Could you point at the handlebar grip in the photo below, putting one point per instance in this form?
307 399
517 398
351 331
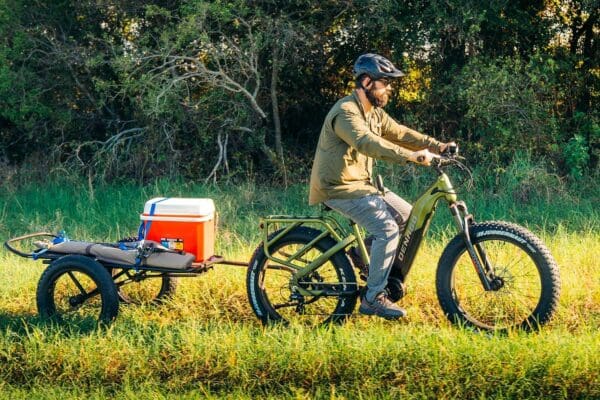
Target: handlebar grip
451 150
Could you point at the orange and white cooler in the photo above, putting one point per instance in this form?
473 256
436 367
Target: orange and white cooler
184 224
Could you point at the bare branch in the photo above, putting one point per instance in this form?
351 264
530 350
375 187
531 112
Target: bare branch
221 63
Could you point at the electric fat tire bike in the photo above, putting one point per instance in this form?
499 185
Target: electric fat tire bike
492 276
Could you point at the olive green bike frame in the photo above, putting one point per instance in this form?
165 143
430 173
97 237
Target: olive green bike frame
416 228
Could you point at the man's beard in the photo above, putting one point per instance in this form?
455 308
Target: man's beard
377 101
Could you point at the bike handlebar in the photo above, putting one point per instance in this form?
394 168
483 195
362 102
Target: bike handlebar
443 161
449 153
448 157
451 158
451 149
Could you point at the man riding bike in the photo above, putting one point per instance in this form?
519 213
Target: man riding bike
355 131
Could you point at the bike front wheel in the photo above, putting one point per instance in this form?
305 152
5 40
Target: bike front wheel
275 299
522 272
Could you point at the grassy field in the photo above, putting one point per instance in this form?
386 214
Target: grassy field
206 343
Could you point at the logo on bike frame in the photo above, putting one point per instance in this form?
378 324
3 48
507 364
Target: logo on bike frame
406 239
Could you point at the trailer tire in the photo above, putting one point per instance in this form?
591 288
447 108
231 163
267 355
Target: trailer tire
155 295
79 289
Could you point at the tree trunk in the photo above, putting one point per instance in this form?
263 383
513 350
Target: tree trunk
275 103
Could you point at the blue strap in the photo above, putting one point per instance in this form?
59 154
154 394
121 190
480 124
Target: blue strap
35 256
145 227
141 234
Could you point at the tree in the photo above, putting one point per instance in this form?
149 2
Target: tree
237 52
219 88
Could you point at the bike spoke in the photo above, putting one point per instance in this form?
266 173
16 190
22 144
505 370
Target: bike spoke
534 276
517 262
524 296
74 279
509 304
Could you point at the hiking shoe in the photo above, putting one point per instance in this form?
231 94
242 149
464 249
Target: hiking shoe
382 307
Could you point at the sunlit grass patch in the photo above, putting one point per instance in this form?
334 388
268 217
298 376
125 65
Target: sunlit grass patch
206 342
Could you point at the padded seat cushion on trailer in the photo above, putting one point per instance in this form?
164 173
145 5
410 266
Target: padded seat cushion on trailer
117 256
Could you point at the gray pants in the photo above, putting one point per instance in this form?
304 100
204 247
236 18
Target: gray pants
384 217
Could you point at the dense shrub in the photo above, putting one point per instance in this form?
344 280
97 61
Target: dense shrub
510 105
220 90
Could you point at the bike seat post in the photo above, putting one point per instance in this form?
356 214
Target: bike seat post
325 208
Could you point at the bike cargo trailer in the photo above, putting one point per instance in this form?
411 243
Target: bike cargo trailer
176 239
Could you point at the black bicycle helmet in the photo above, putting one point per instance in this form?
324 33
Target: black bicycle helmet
376 67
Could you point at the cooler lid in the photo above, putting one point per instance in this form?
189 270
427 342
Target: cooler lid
178 206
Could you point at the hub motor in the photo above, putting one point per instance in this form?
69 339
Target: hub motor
396 289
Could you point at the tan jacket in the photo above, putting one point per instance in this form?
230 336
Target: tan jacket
349 140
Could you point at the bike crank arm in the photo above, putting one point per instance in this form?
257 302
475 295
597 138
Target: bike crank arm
463 219
327 290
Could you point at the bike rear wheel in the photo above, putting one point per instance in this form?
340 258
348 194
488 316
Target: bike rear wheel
272 296
524 276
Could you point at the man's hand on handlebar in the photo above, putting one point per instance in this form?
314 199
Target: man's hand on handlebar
449 149
422 157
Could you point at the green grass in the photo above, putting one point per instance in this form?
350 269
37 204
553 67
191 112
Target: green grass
206 342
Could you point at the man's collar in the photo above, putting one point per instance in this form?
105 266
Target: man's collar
360 105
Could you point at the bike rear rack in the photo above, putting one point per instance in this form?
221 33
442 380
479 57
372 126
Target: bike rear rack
328 225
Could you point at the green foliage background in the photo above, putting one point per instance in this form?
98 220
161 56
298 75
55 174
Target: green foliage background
111 89
98 96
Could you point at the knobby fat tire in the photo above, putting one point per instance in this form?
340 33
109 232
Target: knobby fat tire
518 236
301 235
107 290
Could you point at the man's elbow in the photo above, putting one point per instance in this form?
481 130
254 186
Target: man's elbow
364 146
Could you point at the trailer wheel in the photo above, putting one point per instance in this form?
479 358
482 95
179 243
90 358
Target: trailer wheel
77 289
143 287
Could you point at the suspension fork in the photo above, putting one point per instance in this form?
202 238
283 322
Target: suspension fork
463 220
